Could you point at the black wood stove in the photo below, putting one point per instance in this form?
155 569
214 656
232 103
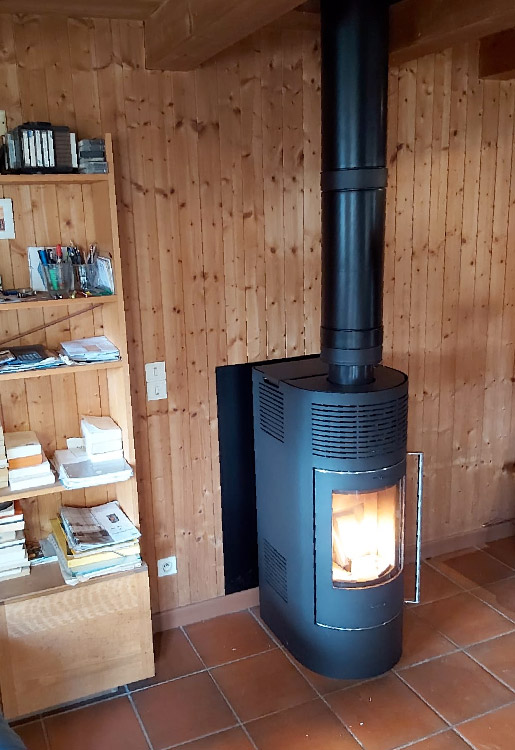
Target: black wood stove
330 432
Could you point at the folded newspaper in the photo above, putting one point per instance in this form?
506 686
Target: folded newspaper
76 470
89 528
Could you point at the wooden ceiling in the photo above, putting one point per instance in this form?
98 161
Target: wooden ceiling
137 9
182 34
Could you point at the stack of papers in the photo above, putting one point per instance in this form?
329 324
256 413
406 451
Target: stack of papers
13 555
95 349
102 438
28 466
23 358
91 542
76 470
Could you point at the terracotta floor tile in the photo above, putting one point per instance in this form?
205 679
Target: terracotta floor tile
433 585
232 739
384 713
503 550
421 641
464 619
108 725
32 735
498 656
456 687
228 638
182 710
500 595
174 658
471 568
324 685
445 741
311 726
495 731
262 684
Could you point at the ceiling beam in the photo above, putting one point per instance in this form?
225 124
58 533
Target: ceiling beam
182 34
420 27
497 56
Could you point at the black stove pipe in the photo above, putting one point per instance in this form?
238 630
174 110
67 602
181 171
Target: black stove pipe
354 100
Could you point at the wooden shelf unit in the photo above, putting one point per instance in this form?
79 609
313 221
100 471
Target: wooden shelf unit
49 209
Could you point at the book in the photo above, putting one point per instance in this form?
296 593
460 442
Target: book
31 483
13 517
26 461
40 470
73 578
40 553
95 349
15 573
13 538
6 509
22 444
100 430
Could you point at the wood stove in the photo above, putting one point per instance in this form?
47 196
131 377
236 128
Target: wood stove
330 432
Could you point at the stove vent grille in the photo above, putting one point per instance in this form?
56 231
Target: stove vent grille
271 411
359 431
275 570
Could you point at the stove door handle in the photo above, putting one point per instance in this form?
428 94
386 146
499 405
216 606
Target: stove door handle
418 531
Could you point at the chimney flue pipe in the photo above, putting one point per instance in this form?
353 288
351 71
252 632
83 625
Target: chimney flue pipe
354 100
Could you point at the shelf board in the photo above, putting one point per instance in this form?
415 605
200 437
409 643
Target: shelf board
52 179
47 579
62 370
7 494
43 303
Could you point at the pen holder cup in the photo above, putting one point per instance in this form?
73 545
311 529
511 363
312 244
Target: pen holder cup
86 277
58 279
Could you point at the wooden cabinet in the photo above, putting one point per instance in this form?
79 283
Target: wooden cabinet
60 643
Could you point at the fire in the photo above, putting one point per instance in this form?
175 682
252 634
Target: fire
364 535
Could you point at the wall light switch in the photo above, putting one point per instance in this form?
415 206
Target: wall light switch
155 371
3 122
156 390
167 566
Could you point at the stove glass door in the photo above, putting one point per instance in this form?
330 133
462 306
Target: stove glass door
367 535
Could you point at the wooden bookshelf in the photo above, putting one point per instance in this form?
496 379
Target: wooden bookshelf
53 179
111 613
50 489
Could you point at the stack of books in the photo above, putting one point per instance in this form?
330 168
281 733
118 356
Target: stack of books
92 542
4 478
102 438
13 555
24 358
28 466
95 349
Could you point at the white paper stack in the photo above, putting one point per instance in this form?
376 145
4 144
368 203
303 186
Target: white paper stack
76 470
24 445
4 480
102 439
95 349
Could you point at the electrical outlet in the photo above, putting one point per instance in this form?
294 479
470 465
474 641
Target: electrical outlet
167 566
155 371
156 390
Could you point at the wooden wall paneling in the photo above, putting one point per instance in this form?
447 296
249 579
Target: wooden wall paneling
201 509
481 293
391 198
311 192
293 221
84 80
140 280
505 423
493 441
59 84
421 206
435 271
253 199
404 214
31 57
9 88
450 312
272 83
212 218
175 343
164 521
228 86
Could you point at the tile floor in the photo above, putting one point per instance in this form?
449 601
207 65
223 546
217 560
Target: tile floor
225 684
